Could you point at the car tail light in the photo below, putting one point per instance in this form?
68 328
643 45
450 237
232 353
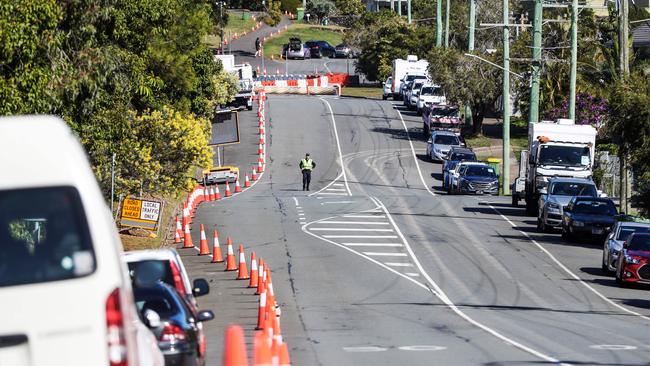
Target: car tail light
115 333
178 279
172 333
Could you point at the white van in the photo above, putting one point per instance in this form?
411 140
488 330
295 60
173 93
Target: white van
65 293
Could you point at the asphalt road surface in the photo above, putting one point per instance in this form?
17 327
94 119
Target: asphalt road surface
377 266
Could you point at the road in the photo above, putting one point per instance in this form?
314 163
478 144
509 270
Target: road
378 266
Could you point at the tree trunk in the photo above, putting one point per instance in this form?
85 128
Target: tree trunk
477 119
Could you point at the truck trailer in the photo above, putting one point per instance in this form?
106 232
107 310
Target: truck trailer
244 73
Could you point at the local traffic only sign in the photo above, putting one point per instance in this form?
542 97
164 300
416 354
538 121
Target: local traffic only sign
140 213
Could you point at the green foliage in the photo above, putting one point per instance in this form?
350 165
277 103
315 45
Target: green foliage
290 5
305 32
350 7
321 8
273 13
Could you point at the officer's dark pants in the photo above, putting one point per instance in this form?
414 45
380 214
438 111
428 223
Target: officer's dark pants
306 178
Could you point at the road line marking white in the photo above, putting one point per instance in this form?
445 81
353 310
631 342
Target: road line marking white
356 222
374 244
361 236
444 298
348 229
332 194
412 274
422 348
566 269
365 216
295 200
301 214
613 347
336 189
398 264
408 135
338 145
385 254
338 184
330 202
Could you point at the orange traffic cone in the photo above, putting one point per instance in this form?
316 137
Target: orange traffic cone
275 351
262 139
234 348
237 186
261 130
216 248
230 256
260 277
260 168
261 350
254 272
217 195
260 149
247 183
284 355
177 238
228 193
243 271
203 243
187 239
211 194
179 229
254 176
261 313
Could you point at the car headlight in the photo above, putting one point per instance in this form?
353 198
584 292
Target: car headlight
494 183
631 260
553 207
578 223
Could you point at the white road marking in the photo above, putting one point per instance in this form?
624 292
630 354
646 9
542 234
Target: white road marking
360 236
417 165
331 202
385 254
301 214
412 274
422 348
374 244
348 229
398 264
338 146
613 347
338 184
336 189
295 200
356 222
365 216
332 193
364 349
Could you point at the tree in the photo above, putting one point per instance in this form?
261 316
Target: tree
350 7
273 13
321 8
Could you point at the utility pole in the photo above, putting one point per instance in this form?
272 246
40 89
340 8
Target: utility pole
533 112
506 99
112 182
624 70
470 48
574 59
399 7
446 23
438 23
408 10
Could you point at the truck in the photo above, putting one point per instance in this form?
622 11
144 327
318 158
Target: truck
403 67
440 117
555 149
244 73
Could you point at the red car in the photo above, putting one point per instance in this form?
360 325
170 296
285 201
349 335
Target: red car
634 260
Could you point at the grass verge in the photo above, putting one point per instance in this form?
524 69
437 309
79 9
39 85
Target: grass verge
236 24
478 141
306 32
132 242
361 91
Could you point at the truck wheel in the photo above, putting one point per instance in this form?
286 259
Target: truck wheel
249 107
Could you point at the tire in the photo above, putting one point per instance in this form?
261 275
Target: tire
515 200
384 97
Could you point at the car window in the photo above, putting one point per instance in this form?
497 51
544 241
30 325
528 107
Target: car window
626 231
479 170
161 265
446 140
463 156
44 236
573 189
639 242
594 208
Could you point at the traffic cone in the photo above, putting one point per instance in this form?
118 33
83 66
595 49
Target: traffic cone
260 149
275 352
230 256
243 271
187 239
261 313
177 238
235 348
203 243
216 248
228 194
217 195
254 175
261 139
247 183
260 277
211 194
264 71
261 129
254 272
261 350
260 168
284 355
237 186
179 228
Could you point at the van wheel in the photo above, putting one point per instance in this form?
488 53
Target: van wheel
384 97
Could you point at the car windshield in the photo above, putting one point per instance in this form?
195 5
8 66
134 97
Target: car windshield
162 267
626 231
463 156
595 208
446 140
573 156
432 90
639 242
417 86
573 189
44 236
480 170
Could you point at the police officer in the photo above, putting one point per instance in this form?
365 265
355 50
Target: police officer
306 165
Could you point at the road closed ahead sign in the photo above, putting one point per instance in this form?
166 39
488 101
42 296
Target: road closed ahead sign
140 213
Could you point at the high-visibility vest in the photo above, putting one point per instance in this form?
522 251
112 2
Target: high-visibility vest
307 164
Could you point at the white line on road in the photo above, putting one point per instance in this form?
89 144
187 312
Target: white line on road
385 254
348 229
332 193
374 244
412 274
331 202
295 200
361 236
356 222
336 189
338 146
366 216
408 135
338 184
398 264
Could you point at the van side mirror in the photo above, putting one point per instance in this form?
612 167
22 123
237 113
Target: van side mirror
200 287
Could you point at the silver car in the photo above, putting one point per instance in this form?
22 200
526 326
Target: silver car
614 241
295 49
557 195
439 144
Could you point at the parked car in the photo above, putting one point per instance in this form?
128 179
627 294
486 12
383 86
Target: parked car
413 95
342 51
614 241
176 325
456 154
387 88
66 295
318 49
633 265
431 94
556 197
588 216
476 178
295 49
408 78
440 143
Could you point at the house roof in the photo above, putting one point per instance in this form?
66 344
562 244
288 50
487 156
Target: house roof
641 35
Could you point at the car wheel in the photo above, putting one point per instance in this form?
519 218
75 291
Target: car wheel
603 264
515 200
384 97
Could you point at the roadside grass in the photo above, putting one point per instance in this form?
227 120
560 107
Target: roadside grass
362 91
478 141
306 32
236 24
133 242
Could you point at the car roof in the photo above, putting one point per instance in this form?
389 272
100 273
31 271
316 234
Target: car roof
150 254
443 132
633 224
461 150
472 163
570 180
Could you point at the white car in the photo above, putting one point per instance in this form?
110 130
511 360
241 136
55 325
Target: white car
387 88
413 95
431 94
66 294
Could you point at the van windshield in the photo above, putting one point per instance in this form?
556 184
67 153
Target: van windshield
44 236
573 156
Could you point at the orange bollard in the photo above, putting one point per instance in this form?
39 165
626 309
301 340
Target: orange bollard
216 248
284 355
230 256
261 350
260 168
235 348
211 194
237 186
217 195
203 243
254 272
254 176
243 271
260 149
177 238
